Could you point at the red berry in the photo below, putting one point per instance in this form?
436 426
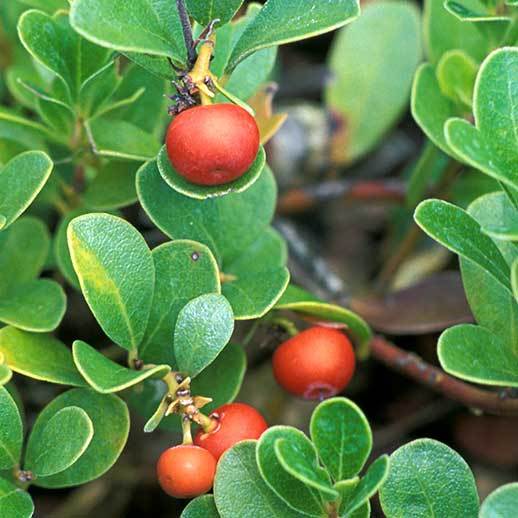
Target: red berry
212 145
315 364
235 422
186 471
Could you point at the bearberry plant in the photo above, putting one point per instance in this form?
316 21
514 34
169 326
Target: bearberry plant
134 177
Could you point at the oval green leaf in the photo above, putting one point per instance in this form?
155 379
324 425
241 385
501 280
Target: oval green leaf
501 503
11 431
144 26
284 21
106 376
14 502
205 11
58 443
455 229
365 56
368 485
37 306
342 437
476 354
39 356
298 457
304 499
201 507
204 327
116 272
110 419
21 179
25 246
174 263
238 487
428 478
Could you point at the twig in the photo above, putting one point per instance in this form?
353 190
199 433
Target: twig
187 31
299 200
414 367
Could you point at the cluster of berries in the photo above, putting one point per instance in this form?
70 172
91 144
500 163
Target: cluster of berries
314 364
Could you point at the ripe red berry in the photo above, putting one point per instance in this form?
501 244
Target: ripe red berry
212 145
186 471
315 364
235 422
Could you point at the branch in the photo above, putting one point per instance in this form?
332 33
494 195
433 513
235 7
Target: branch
301 199
187 31
414 367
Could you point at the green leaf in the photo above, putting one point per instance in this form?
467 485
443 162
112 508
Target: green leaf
121 140
97 90
110 419
14 502
504 224
201 192
491 144
297 494
106 376
284 21
62 51
369 484
204 327
474 11
456 73
24 249
21 179
457 230
113 187
298 457
181 217
443 31
428 479
37 306
39 356
476 354
491 211
296 299
250 74
373 62
430 107
493 307
239 488
61 251
502 502
57 443
152 101
202 507
257 278
346 488
205 11
342 436
144 26
116 272
174 262
11 431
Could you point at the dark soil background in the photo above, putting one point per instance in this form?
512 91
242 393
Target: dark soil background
338 248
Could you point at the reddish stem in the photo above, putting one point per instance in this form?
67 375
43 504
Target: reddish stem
414 367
